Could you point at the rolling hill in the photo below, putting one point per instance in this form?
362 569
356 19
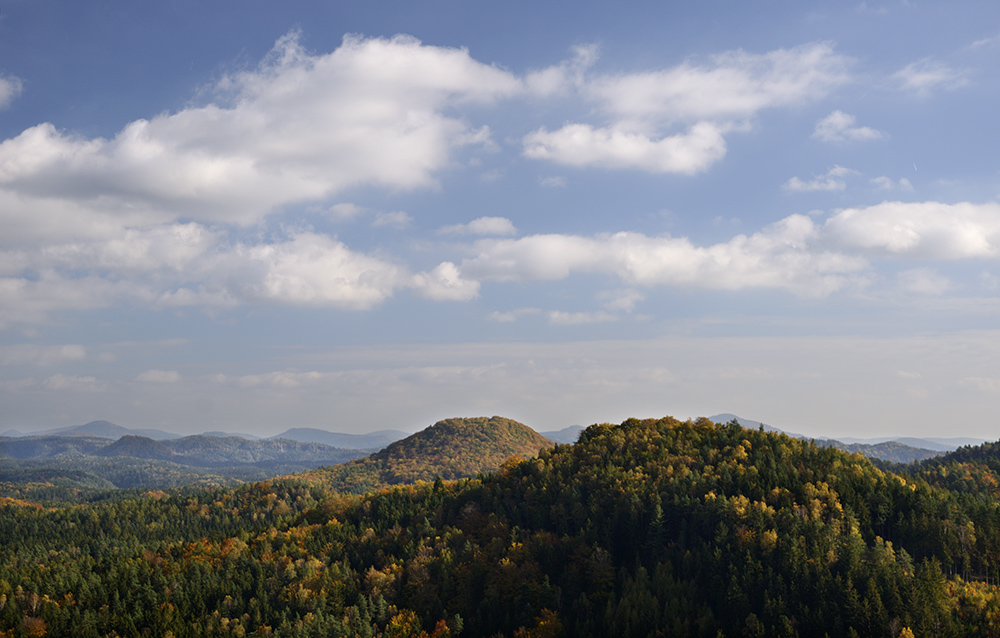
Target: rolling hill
139 461
648 528
449 449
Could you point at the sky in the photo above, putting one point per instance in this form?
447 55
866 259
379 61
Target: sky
250 216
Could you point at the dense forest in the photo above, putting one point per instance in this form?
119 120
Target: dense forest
647 528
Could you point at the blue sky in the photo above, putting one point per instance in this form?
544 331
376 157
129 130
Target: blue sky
250 216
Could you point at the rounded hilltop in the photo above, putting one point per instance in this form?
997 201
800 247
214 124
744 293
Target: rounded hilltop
449 449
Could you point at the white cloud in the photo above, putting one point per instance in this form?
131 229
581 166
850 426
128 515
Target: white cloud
783 255
512 315
733 85
482 226
839 127
582 145
445 283
396 219
887 184
73 383
923 76
307 269
706 99
986 42
832 181
188 264
299 127
553 181
922 230
285 380
159 376
624 300
563 77
560 318
10 88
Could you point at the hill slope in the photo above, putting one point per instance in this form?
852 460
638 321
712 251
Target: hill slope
449 449
644 529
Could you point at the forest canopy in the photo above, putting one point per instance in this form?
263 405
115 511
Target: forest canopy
646 528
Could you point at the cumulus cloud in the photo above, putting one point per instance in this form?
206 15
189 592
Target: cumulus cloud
582 145
10 88
445 283
922 230
482 226
306 269
705 99
924 76
298 127
564 77
186 264
783 255
833 180
794 254
839 127
732 85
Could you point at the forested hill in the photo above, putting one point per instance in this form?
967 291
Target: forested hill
449 449
648 528
969 470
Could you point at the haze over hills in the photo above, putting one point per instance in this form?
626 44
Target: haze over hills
453 448
103 429
567 435
449 449
88 438
106 429
902 449
138 461
371 441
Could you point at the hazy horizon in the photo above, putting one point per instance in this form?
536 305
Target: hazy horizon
354 218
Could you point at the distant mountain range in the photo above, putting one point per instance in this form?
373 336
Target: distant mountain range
904 449
107 430
103 429
566 435
81 439
371 441
198 451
